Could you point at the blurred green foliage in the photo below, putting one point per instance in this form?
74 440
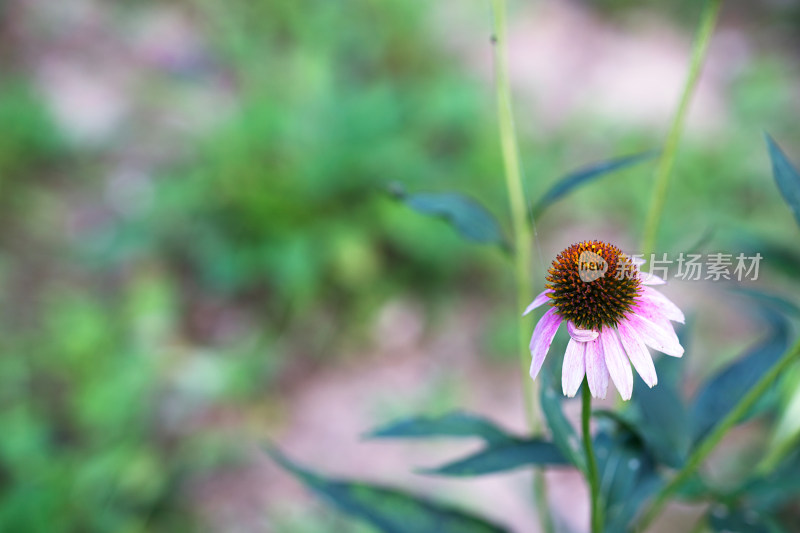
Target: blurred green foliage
280 211
271 240
285 204
29 145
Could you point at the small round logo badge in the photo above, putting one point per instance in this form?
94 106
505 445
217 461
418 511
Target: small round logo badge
591 266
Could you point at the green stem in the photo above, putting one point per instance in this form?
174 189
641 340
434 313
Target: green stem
522 238
591 462
777 454
710 442
516 197
540 496
705 30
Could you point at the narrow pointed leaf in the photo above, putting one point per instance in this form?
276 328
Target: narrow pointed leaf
586 174
764 298
725 519
776 489
717 397
661 416
779 256
456 424
390 510
786 177
471 219
619 418
694 488
622 514
627 474
504 456
564 436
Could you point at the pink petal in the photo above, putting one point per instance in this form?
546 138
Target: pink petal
638 353
574 367
619 367
638 261
668 309
646 309
542 339
581 335
655 336
539 300
651 279
596 371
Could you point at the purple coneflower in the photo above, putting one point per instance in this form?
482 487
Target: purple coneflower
612 316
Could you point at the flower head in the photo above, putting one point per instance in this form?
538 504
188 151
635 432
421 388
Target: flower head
612 316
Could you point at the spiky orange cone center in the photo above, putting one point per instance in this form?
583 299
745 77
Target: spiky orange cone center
594 284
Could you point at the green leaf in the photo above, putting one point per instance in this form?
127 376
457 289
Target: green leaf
695 488
473 221
777 255
456 424
620 418
726 519
388 509
786 177
628 476
717 397
502 457
778 488
661 416
503 451
564 436
586 174
779 303
627 470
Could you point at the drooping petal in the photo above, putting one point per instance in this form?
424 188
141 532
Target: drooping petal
638 261
647 309
619 367
665 305
596 370
573 368
651 279
539 300
542 339
655 336
581 335
638 353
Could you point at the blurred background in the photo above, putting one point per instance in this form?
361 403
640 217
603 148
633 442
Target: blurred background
199 252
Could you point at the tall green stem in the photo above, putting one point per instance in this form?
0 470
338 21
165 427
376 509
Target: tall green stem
516 198
705 30
591 462
710 442
522 236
